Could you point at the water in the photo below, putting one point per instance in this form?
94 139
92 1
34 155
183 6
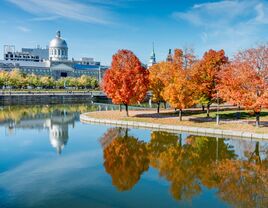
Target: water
49 159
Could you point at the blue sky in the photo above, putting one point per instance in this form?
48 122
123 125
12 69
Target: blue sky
98 28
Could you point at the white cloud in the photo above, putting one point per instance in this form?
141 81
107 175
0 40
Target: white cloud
262 13
23 29
218 13
48 18
69 9
228 24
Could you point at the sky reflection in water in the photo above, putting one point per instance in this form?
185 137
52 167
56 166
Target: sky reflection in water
49 159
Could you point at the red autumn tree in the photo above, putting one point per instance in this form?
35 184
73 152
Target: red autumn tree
204 76
244 81
126 82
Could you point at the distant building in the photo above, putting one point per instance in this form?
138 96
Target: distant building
42 53
52 61
152 59
169 56
26 54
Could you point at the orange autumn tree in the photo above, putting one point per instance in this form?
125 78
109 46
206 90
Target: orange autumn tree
126 82
158 76
244 81
204 76
178 92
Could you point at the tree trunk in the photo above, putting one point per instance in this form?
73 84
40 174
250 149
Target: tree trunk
126 133
238 114
165 105
158 107
257 149
180 114
120 107
257 153
180 140
208 110
203 108
126 109
257 119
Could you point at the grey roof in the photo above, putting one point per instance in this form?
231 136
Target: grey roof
58 42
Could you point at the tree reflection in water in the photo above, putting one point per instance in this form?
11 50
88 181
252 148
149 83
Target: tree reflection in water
189 165
243 183
125 159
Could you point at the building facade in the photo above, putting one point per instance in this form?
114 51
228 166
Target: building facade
52 61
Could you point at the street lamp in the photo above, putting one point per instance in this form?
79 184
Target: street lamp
218 116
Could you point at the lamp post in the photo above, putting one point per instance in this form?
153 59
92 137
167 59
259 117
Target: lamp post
99 74
65 86
218 116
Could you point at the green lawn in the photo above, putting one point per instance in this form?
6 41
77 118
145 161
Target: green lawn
234 114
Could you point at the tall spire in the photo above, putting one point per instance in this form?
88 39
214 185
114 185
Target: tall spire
152 59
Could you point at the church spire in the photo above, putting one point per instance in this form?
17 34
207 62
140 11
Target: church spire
152 60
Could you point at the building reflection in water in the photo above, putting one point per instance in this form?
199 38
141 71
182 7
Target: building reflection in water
57 123
58 130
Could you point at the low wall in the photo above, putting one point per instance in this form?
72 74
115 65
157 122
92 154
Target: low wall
178 129
50 98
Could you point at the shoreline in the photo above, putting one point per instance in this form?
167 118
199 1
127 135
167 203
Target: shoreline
173 128
44 97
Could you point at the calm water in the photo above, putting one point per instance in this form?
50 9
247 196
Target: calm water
49 159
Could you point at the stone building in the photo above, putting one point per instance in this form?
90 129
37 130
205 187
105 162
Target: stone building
52 61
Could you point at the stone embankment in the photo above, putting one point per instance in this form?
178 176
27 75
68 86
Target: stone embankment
20 98
213 132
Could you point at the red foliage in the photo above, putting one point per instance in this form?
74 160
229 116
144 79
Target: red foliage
244 81
126 82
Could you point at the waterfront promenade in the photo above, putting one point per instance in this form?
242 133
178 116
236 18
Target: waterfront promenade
170 122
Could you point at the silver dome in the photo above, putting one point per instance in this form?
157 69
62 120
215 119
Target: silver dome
58 42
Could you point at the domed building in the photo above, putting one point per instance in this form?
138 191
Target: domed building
58 49
51 61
